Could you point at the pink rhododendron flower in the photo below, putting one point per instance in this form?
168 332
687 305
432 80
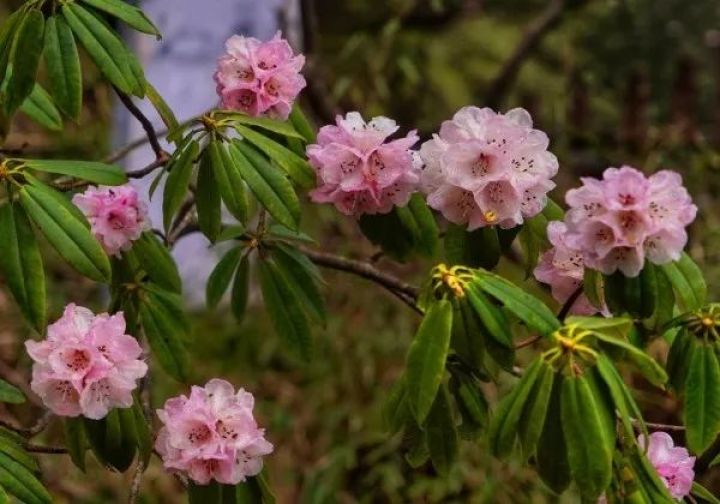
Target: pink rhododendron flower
212 435
486 168
259 78
673 463
562 268
626 217
117 216
359 170
87 365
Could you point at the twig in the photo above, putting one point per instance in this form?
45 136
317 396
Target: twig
404 291
136 482
528 342
534 34
658 426
41 424
570 303
144 122
55 450
19 430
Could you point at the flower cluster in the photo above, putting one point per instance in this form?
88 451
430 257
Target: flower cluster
87 365
626 217
673 463
485 168
562 268
117 215
259 78
359 170
212 435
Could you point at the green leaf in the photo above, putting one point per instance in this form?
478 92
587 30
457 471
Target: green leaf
303 277
156 260
17 480
161 107
391 232
285 310
552 461
702 402
441 434
92 171
648 366
533 239
688 281
593 287
395 411
301 123
271 188
63 66
40 108
679 358
25 57
480 248
221 276
471 403
492 318
10 393
143 433
624 402
703 493
506 419
22 265
534 412
528 308
283 128
229 180
618 327
75 441
112 438
296 167
8 33
131 15
204 494
426 358
60 223
241 286
207 199
178 181
424 226
165 328
104 47
17 452
588 448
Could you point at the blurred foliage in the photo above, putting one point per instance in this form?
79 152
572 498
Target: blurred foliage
607 69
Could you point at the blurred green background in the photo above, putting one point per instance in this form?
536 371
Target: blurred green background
611 81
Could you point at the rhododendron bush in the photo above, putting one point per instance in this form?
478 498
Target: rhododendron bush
474 193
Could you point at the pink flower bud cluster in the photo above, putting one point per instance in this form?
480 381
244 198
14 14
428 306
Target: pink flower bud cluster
359 170
212 435
486 168
87 365
259 78
117 216
626 217
561 267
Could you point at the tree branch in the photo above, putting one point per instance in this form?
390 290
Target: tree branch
54 450
136 482
570 303
534 34
144 122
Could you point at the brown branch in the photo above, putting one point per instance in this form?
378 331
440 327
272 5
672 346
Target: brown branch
404 291
55 450
144 122
136 482
528 342
570 303
534 35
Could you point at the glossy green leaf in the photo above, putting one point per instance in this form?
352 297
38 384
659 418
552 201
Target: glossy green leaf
700 492
283 128
593 287
8 32
75 441
25 57
271 188
240 289
480 248
17 480
130 14
441 434
702 402
648 366
526 307
296 167
426 358
18 453
471 404
104 47
229 180
506 419
221 276
143 433
304 277
285 310
618 327
396 412
535 409
10 393
588 449
688 281
157 261
161 107
63 66
112 438
621 396
679 359
177 183
301 123
491 316
165 328
21 264
40 108
391 232
61 225
552 459
92 171
424 227
207 199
